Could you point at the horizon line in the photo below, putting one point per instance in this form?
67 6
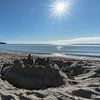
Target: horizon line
80 40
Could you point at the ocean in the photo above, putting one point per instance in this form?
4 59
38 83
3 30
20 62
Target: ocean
89 50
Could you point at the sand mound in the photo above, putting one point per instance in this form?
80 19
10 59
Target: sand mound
28 78
28 75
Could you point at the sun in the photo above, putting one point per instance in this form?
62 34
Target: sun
60 7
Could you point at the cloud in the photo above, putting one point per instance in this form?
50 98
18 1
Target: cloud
81 40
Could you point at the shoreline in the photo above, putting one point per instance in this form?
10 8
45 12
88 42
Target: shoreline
54 55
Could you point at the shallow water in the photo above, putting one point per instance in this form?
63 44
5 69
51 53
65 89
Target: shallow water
91 50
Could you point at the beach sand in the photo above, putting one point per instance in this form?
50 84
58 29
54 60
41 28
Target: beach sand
80 75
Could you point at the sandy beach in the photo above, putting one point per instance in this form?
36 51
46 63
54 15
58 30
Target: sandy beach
49 49
38 77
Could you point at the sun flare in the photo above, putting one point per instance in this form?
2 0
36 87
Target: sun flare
60 8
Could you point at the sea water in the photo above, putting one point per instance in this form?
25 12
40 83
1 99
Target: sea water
90 50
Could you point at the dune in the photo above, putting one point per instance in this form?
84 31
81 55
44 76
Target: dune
34 77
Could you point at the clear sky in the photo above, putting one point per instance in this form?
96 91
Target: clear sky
30 21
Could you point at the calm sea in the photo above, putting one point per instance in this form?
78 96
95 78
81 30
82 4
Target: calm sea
91 50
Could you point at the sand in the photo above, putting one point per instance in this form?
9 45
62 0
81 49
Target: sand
83 79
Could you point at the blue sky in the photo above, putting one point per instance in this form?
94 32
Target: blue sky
30 21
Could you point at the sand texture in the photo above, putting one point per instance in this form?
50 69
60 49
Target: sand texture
26 77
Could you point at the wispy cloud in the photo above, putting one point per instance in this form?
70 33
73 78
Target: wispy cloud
81 40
